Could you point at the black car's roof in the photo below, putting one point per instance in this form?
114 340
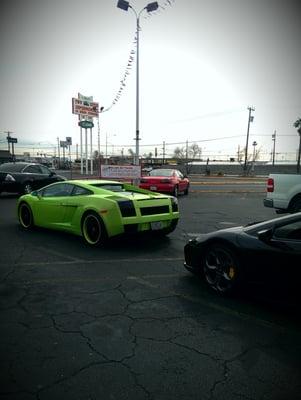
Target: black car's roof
15 167
273 222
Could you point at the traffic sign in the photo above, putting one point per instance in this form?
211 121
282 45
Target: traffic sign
12 139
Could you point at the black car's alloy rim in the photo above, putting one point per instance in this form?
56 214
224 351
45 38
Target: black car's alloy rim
27 188
220 269
91 229
25 216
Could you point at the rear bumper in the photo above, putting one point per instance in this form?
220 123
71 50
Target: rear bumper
268 203
166 188
10 187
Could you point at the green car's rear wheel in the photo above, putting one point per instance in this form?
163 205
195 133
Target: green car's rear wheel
93 229
25 216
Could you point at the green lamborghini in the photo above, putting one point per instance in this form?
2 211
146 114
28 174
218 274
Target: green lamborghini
98 209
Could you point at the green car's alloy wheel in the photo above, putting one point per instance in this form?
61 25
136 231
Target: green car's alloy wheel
25 216
93 229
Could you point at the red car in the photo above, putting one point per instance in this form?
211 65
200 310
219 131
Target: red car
166 181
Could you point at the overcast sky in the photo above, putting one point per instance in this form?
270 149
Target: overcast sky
202 63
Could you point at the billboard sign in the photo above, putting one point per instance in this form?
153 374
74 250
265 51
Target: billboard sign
86 124
84 106
120 171
69 140
63 143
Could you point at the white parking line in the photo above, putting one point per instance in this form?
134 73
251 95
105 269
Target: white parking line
99 261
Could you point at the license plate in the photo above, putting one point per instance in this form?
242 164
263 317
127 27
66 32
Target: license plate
156 225
153 188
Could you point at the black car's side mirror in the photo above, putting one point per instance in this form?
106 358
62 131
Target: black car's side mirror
51 173
265 235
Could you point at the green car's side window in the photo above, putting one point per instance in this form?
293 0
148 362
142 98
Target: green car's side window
58 190
80 191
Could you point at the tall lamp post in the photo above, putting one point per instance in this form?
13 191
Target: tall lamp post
297 125
125 5
274 147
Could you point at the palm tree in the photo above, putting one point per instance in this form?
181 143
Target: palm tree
297 125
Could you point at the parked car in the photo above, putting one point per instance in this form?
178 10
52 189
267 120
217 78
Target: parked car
23 177
284 193
267 253
165 181
98 209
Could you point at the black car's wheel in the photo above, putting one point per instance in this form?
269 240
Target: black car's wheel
296 205
175 191
221 269
25 216
27 188
186 190
93 229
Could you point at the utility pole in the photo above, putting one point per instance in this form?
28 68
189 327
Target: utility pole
274 147
163 160
186 151
250 119
58 151
8 139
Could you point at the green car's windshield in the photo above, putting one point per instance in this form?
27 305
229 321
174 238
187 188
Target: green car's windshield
118 187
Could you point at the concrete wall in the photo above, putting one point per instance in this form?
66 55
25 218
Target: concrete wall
235 169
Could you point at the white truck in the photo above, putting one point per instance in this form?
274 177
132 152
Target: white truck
283 193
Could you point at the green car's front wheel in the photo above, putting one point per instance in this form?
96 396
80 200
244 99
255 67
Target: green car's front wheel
93 229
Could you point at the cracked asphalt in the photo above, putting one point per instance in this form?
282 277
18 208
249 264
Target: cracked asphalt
128 322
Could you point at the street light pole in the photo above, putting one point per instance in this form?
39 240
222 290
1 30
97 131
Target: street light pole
137 92
274 147
297 125
125 5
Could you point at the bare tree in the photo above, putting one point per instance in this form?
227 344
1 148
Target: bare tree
185 155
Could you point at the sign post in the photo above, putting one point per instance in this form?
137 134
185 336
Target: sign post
86 109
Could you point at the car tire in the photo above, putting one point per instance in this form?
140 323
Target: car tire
25 216
27 188
221 269
296 205
175 191
186 191
93 229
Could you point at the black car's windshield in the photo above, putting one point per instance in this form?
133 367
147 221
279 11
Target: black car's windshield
161 172
11 167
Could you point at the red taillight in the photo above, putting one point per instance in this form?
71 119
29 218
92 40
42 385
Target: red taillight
143 181
270 185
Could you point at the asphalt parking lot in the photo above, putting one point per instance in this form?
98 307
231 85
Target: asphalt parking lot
129 322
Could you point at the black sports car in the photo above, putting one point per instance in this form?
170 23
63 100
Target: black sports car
267 252
24 177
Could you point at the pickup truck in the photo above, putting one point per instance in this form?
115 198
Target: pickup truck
283 193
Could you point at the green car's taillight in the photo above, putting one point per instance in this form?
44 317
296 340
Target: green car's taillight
174 204
127 208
